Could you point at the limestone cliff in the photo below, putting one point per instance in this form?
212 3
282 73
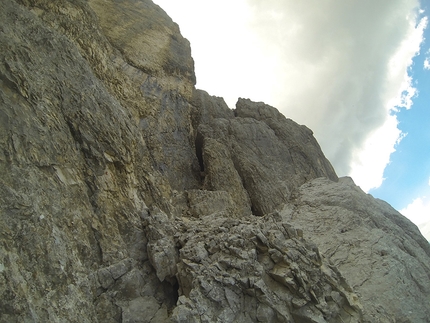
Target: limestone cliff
127 195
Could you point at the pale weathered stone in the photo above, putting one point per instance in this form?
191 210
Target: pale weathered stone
248 269
379 252
203 202
254 154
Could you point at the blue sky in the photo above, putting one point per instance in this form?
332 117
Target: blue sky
407 176
408 173
346 69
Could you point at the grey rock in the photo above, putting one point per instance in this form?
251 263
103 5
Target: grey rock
140 310
204 202
127 195
73 162
259 151
254 269
381 254
162 252
220 173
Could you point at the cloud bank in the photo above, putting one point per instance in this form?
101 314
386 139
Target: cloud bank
338 67
341 67
419 213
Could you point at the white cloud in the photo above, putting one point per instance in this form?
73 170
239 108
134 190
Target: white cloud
337 66
427 64
228 59
419 212
425 230
370 161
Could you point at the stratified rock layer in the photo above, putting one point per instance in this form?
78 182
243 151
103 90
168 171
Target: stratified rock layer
126 195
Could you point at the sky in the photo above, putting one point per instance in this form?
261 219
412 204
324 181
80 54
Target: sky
355 72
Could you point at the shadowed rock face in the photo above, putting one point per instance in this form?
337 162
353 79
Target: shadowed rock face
272 155
126 195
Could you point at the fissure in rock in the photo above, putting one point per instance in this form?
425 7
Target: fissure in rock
199 151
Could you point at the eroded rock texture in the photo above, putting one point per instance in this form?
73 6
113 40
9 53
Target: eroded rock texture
127 195
379 251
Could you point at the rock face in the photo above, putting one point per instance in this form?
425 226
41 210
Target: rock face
383 258
127 195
